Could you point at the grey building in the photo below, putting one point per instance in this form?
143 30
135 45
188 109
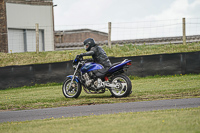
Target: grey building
17 25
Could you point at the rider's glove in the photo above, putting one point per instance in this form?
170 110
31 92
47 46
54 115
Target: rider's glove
81 55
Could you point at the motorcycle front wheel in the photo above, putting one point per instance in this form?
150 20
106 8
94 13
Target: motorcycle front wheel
74 91
123 86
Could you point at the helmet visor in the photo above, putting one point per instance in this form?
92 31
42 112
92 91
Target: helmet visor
86 46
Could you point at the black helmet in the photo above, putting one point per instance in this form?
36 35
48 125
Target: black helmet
90 42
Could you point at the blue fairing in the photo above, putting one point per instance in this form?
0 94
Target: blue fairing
87 67
118 66
75 78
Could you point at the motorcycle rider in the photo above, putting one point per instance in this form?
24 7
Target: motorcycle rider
98 54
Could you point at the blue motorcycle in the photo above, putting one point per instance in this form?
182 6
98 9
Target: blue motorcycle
95 79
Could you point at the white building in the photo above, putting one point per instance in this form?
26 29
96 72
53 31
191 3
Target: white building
22 16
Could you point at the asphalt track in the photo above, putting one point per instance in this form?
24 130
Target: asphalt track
24 115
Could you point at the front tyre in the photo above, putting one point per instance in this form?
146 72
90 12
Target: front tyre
74 91
123 86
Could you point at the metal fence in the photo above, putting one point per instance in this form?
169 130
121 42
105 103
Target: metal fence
145 32
146 41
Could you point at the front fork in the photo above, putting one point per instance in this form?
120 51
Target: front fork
73 77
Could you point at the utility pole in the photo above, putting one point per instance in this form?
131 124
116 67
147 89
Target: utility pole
109 34
37 37
184 32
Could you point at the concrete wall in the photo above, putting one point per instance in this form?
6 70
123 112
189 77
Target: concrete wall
26 15
161 64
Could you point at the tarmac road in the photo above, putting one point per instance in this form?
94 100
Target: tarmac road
73 111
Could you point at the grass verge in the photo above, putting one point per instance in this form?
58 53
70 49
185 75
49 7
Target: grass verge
174 120
7 59
149 88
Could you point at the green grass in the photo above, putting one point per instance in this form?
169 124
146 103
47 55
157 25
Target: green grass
174 120
148 88
7 59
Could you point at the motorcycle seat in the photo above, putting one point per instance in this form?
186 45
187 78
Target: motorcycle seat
114 64
101 72
104 70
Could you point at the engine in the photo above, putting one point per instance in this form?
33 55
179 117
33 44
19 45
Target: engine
87 79
92 82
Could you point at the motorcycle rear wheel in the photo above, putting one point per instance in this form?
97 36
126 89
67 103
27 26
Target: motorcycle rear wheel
72 92
123 84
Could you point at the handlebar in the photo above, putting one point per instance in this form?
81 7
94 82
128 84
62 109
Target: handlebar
80 59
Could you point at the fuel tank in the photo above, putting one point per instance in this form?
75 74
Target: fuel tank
87 67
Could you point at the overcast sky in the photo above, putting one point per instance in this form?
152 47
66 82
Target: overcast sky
78 12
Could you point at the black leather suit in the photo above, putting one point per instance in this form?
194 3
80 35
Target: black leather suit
99 56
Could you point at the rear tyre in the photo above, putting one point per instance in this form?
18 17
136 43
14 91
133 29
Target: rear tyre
72 92
123 86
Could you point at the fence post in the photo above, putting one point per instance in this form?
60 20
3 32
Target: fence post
184 32
109 34
37 37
